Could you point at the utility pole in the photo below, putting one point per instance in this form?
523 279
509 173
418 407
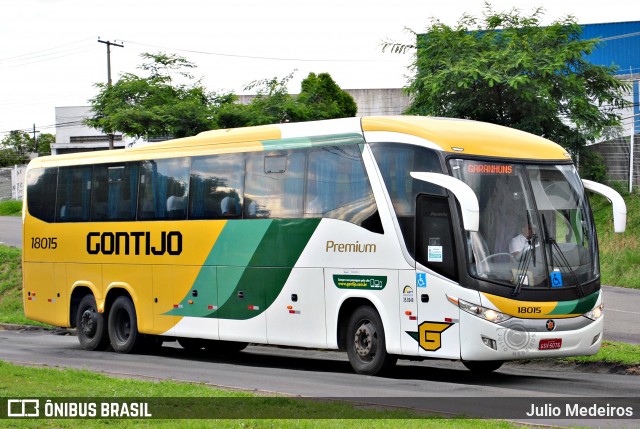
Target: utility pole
109 45
35 140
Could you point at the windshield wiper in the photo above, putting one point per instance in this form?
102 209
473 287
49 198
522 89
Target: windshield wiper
563 260
527 255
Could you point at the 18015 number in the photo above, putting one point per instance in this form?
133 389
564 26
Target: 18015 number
44 242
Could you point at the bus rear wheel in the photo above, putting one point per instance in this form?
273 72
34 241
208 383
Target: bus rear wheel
366 346
90 325
123 326
483 366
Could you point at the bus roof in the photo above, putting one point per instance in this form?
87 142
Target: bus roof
451 135
470 137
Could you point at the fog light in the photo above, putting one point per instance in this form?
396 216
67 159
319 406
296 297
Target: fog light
489 343
595 339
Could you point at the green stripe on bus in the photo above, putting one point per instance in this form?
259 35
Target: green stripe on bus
233 250
252 260
303 142
576 306
269 268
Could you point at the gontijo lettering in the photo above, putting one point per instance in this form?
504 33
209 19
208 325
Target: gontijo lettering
356 247
136 243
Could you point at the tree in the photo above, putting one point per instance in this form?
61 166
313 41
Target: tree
15 148
324 99
43 143
320 98
507 69
154 106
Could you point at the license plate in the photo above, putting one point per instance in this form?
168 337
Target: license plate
550 344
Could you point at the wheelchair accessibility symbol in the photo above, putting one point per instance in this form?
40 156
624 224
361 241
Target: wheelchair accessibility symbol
421 279
556 279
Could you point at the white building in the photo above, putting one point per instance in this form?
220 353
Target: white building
73 136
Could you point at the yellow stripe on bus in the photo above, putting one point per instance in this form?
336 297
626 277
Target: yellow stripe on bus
526 309
470 137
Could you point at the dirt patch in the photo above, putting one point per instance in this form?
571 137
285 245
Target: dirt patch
594 367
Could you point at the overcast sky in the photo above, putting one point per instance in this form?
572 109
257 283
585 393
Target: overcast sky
50 56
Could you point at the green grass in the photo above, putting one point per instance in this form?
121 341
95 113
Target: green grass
11 309
619 253
615 353
10 208
29 382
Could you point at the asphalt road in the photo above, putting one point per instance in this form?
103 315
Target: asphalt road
311 373
11 231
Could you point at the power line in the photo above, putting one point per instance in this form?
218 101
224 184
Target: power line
42 50
220 54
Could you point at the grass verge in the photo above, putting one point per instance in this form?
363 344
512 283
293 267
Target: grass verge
619 253
29 382
10 208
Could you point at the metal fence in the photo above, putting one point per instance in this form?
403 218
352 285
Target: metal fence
616 154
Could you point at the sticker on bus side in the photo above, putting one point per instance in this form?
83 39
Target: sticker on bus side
343 281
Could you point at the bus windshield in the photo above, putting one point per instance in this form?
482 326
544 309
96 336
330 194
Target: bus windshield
535 225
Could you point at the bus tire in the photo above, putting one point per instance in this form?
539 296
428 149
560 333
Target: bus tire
91 325
482 366
123 326
366 346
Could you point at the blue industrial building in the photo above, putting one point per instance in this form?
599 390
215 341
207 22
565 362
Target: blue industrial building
620 46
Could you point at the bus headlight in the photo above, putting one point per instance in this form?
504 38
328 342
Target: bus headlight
596 313
482 312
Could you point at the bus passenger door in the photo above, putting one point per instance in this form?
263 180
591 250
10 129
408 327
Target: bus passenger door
438 319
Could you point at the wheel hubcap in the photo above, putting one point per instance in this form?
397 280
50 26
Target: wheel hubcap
88 323
124 326
365 340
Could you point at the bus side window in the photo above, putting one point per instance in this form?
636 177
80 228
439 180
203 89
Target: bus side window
338 187
114 192
41 193
160 180
275 184
216 186
74 194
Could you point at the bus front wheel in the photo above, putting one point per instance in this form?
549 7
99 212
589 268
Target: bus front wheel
123 326
366 346
90 325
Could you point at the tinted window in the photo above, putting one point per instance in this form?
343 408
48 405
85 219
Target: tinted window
74 194
435 245
216 187
164 186
338 186
115 192
274 186
41 193
396 162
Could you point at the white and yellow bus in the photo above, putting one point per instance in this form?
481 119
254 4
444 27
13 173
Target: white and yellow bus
387 237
